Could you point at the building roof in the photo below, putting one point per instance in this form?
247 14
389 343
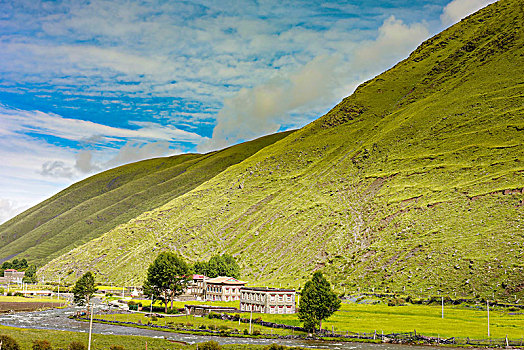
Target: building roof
199 277
10 270
268 289
225 280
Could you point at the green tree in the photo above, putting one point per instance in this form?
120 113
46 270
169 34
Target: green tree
218 265
317 302
84 289
30 274
166 278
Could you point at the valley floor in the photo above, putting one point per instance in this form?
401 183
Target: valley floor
460 321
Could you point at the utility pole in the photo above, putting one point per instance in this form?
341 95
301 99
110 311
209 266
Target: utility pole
487 305
250 319
90 328
151 309
442 307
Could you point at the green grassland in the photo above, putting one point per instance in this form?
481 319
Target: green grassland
459 321
61 339
95 205
192 322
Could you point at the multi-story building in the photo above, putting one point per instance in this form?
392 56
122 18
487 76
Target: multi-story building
223 288
197 286
12 276
268 300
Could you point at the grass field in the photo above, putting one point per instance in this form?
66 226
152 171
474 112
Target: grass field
60 339
13 299
192 322
459 321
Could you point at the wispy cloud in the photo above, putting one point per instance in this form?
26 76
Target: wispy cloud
36 122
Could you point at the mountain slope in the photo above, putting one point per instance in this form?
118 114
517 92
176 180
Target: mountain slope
96 205
415 181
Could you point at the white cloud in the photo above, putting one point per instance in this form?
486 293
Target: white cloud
262 109
395 41
315 87
19 121
458 9
9 209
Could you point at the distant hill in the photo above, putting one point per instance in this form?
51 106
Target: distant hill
101 202
414 182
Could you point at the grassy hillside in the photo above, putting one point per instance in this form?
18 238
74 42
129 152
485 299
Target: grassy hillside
415 181
96 205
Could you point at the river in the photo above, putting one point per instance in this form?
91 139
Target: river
57 319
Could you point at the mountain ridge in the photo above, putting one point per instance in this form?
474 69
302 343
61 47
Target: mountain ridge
92 206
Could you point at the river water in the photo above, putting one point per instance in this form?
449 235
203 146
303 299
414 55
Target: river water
57 319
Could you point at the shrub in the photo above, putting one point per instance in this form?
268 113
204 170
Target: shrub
18 294
2 290
256 332
154 318
9 343
41 345
246 332
209 345
275 347
116 347
202 326
189 325
76 345
9 294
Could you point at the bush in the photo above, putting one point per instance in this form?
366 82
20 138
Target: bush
2 290
246 332
41 345
275 347
76 345
18 294
8 343
189 325
209 345
116 347
154 318
9 294
256 332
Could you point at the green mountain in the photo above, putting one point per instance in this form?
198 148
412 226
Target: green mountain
413 182
101 202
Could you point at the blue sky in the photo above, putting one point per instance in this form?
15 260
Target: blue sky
89 85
